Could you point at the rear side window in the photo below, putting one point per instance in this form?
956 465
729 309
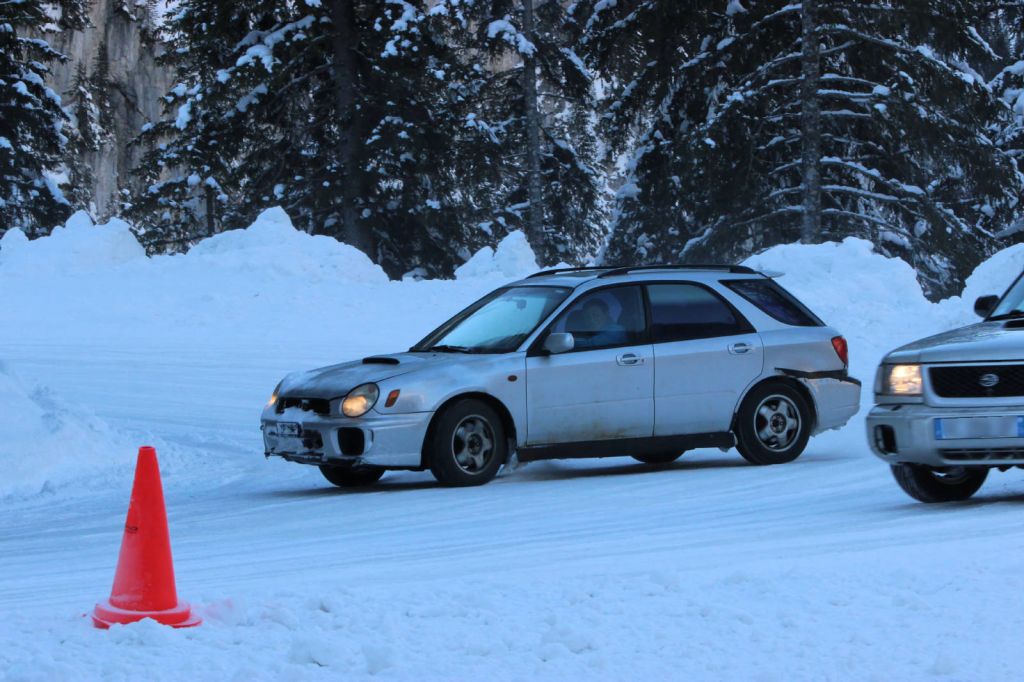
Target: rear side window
680 312
775 301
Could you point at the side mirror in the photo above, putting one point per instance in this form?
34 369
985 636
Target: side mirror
559 343
984 306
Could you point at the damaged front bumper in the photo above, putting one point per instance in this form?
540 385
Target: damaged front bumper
392 441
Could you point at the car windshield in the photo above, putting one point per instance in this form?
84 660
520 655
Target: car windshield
497 323
1012 304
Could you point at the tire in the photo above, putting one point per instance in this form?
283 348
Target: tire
949 484
658 458
467 444
773 424
348 476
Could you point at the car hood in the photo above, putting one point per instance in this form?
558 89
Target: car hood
982 342
336 381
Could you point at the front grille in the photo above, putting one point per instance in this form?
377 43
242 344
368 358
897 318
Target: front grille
968 381
316 405
982 454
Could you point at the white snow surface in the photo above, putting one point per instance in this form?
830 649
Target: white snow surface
708 569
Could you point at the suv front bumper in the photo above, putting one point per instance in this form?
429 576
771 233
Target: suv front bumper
906 434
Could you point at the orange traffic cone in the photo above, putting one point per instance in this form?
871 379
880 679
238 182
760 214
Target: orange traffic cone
144 581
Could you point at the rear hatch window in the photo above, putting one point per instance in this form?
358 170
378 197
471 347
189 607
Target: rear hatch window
775 301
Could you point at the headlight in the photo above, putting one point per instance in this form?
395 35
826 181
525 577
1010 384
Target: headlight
360 400
273 396
901 380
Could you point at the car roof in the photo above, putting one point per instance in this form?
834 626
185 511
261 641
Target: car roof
574 277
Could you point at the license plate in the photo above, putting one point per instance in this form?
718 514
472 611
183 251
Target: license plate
289 430
979 427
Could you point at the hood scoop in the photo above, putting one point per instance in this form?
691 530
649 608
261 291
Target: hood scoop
380 360
1014 324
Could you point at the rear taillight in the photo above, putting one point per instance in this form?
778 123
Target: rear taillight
842 350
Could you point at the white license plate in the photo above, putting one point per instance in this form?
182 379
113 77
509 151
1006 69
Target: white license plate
979 427
289 430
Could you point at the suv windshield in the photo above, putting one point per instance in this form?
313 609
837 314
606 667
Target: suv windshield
497 323
1012 304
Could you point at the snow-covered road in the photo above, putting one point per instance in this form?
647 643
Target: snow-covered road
601 569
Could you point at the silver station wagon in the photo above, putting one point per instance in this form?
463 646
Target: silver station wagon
950 408
582 362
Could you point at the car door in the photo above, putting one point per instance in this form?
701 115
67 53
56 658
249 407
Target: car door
705 355
603 389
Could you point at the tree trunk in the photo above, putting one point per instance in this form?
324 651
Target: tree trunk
346 83
810 124
535 213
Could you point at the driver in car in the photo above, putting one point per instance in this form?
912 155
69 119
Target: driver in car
603 330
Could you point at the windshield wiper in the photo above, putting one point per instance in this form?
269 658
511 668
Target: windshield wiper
445 348
1012 315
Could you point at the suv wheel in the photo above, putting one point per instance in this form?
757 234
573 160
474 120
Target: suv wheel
468 445
348 476
948 484
658 457
773 424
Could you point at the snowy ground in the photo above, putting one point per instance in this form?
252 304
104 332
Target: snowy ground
603 569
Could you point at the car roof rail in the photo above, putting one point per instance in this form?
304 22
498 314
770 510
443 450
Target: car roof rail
555 271
735 269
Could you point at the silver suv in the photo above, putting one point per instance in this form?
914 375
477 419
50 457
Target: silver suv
951 407
578 362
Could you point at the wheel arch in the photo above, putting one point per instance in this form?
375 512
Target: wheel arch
793 383
507 422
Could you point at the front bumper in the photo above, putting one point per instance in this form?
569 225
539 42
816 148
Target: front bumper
906 434
393 441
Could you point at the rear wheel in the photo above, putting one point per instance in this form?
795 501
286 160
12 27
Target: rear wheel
946 484
348 476
659 457
773 424
467 445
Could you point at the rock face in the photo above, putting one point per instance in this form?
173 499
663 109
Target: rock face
137 82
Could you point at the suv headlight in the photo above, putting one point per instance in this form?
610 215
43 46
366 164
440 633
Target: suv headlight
360 400
900 380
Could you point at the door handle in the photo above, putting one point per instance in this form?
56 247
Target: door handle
629 359
740 348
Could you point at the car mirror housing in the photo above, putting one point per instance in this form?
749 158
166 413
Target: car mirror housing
560 342
984 306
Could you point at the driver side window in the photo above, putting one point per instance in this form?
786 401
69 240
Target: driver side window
605 319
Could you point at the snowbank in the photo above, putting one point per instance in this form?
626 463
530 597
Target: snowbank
77 247
513 259
46 443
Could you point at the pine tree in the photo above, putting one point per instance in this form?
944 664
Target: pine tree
31 120
726 161
535 104
84 138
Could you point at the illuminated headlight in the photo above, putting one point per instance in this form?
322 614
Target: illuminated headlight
273 396
900 380
360 400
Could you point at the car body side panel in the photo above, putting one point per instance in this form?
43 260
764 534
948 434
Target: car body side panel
699 382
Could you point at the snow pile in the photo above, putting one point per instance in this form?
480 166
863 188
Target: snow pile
993 276
272 246
45 443
513 259
77 247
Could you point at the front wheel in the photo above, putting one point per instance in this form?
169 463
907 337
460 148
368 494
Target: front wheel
467 445
348 476
947 484
773 424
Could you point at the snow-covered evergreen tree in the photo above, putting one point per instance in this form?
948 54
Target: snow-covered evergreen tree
536 104
31 119
724 104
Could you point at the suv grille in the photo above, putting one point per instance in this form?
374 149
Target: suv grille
976 381
983 454
317 405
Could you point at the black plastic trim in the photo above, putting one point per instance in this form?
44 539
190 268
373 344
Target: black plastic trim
840 374
624 446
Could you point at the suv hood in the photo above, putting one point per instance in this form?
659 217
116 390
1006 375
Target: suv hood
336 381
982 342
